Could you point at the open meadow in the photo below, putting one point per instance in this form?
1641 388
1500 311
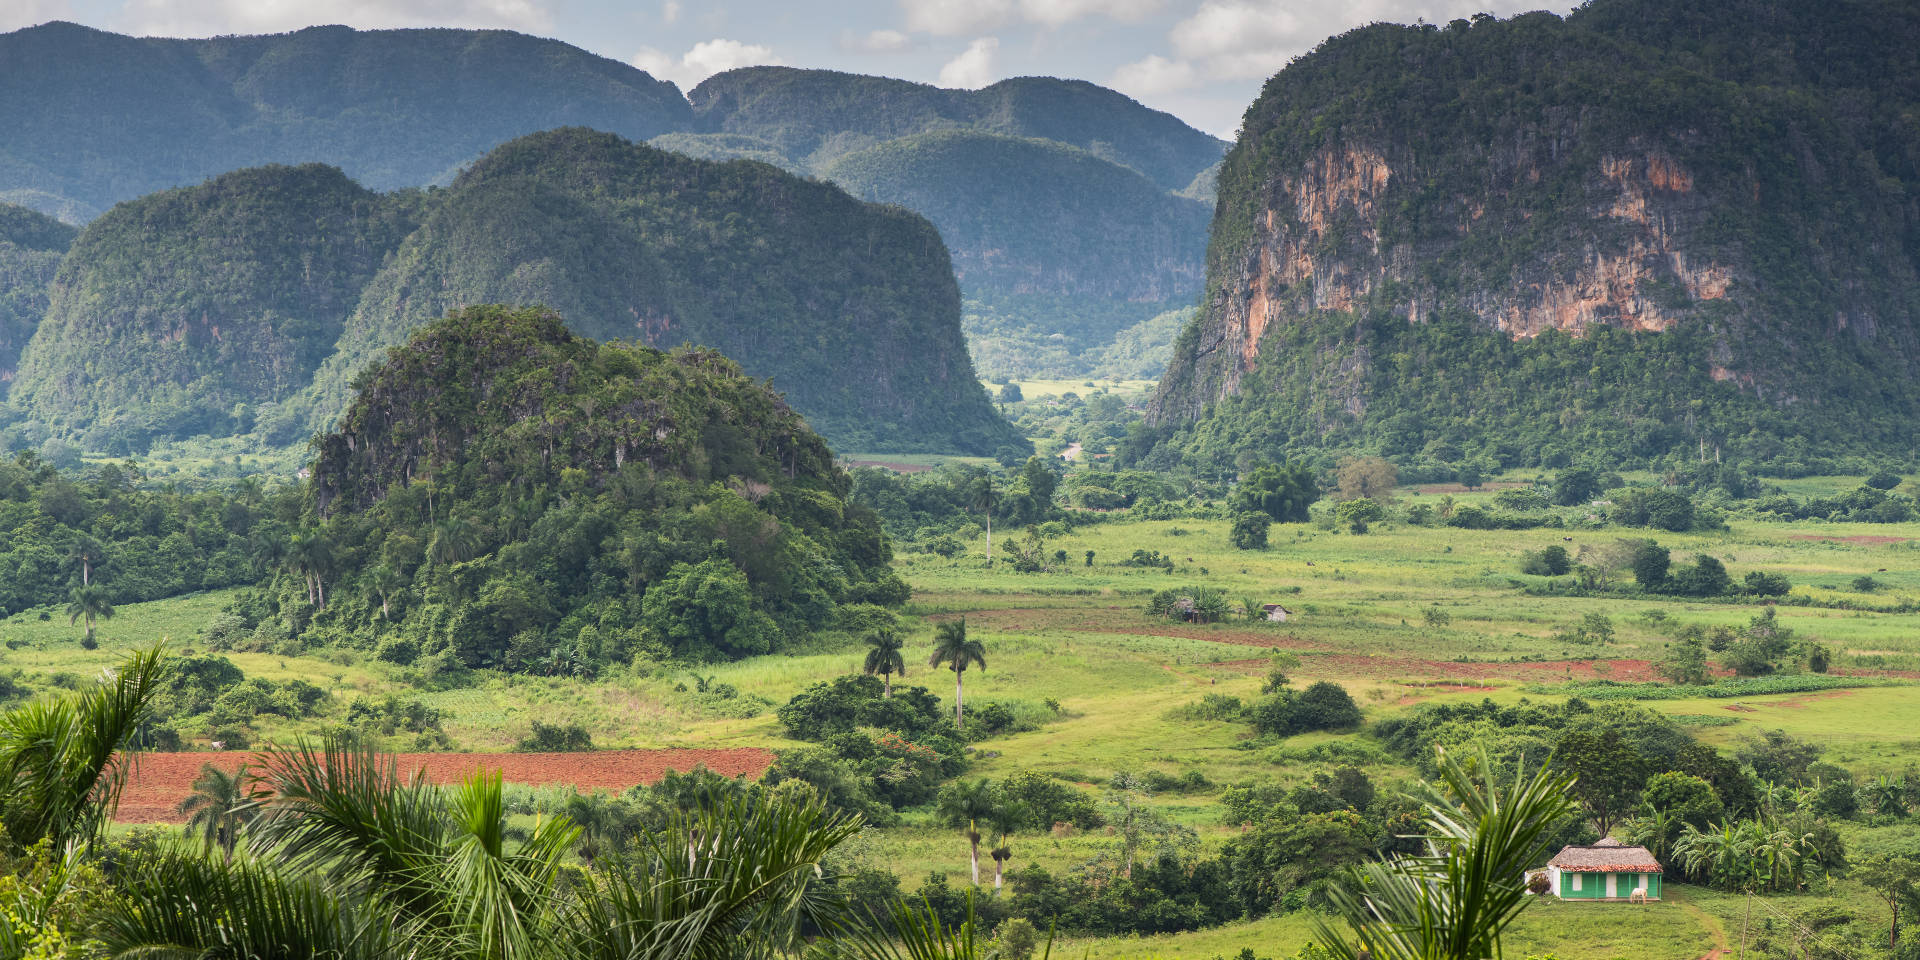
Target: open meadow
1400 616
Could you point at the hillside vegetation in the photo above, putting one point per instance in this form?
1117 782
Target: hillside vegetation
1542 239
502 492
247 305
31 245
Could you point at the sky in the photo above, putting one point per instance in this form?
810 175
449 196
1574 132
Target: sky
1201 60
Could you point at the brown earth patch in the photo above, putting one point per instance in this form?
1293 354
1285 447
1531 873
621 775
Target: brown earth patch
1868 539
1740 708
161 780
1461 488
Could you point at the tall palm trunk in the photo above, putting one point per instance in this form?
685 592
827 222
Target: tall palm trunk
959 720
989 538
886 685
973 840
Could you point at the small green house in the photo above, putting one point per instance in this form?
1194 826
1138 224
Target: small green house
1608 870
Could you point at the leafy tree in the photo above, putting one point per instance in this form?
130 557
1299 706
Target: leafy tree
1705 577
883 658
706 611
1575 486
1650 563
1357 514
953 649
1896 879
1249 531
1323 706
1366 478
1685 662
1610 774
1281 492
1686 798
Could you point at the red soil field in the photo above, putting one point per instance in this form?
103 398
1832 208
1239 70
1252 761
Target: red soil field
161 780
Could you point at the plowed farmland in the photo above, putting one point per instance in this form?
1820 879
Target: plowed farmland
161 780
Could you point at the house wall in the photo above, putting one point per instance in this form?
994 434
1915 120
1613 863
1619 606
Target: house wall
1593 886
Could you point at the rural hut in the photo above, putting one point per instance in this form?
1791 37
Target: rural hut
1276 612
1607 870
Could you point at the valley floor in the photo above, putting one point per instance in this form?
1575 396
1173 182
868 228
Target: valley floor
1080 637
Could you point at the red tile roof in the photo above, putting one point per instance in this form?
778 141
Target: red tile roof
1607 856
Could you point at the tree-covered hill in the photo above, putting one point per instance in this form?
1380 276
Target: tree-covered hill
1645 232
177 313
850 308
1036 216
248 304
31 245
95 118
508 493
817 116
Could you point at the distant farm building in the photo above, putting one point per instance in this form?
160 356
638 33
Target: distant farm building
1608 870
1276 612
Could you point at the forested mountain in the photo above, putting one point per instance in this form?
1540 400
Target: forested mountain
1646 231
251 302
817 116
31 245
177 313
507 493
95 118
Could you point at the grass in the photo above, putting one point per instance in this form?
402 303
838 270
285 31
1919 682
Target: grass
1079 636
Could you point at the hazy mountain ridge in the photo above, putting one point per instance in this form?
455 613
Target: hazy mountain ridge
252 302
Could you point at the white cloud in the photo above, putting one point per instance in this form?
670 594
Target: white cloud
1251 39
15 14
951 18
670 11
1154 75
879 41
1053 13
975 67
958 18
707 58
201 18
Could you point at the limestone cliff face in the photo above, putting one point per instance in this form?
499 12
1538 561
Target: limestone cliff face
1519 175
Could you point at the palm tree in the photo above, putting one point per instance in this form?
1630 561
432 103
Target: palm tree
66 758
967 804
1007 817
883 658
952 649
455 540
386 581
1453 901
89 603
308 555
87 552
982 500
220 806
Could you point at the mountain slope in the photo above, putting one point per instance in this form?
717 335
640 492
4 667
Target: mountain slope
1641 231
850 308
31 245
393 108
174 308
817 116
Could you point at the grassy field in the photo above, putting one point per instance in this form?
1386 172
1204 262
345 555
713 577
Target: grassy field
1079 636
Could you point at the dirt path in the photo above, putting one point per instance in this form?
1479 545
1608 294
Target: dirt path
161 780
1711 924
1072 452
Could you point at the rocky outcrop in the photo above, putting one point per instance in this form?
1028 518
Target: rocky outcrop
1519 175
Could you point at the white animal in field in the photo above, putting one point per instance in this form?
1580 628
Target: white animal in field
218 744
1639 895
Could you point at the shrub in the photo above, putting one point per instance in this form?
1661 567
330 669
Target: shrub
401 650
1250 531
555 738
945 546
1553 561
845 703
1323 706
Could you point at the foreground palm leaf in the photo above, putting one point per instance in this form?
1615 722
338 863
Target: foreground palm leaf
185 905
63 762
1453 902
740 877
